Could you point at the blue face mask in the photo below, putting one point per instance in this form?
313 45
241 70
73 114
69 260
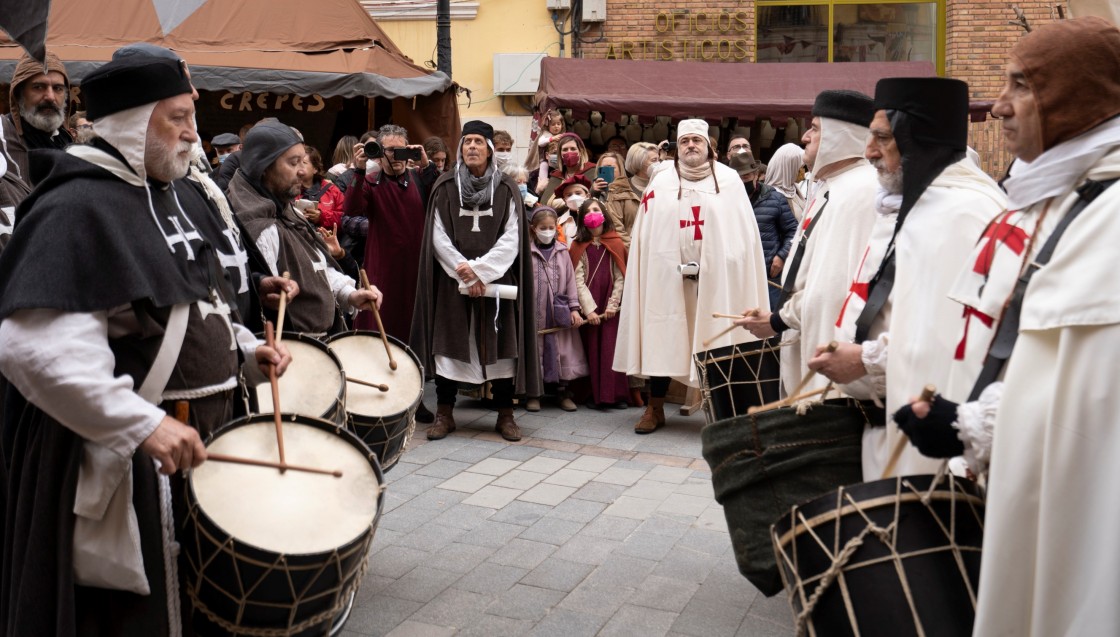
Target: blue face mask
524 188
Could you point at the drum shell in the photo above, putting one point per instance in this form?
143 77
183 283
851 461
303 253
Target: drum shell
336 412
386 435
765 463
215 563
737 377
937 582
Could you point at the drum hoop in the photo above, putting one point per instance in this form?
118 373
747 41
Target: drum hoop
738 354
337 429
812 523
395 341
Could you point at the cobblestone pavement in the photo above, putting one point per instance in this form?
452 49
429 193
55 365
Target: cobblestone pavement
581 528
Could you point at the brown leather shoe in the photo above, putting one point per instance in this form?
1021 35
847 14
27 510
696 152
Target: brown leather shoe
506 427
444 424
636 398
653 417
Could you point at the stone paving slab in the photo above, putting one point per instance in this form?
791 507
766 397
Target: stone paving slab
580 528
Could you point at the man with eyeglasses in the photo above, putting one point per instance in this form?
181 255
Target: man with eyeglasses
737 146
80 127
39 101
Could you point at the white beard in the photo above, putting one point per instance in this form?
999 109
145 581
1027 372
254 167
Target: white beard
166 163
891 182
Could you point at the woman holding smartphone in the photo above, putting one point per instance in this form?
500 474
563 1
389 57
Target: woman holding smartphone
612 186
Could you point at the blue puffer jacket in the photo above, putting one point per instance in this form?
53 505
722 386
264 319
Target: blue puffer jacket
776 223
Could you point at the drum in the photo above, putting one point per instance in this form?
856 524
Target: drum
762 464
313 384
737 377
383 420
893 557
279 553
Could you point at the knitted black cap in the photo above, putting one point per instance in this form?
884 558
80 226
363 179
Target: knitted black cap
478 127
938 106
847 106
263 145
133 80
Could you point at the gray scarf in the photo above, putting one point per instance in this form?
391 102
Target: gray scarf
475 192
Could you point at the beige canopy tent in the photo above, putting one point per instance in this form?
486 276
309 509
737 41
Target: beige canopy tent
329 48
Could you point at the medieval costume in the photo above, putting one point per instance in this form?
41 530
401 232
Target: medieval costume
698 216
898 303
831 236
600 277
144 318
287 241
393 208
19 136
13 190
478 220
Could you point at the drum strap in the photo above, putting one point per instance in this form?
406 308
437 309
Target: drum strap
795 264
1008 331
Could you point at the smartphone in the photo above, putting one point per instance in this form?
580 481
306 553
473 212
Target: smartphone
405 154
606 173
305 204
670 147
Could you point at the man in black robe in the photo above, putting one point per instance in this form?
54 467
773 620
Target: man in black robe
113 308
476 239
261 194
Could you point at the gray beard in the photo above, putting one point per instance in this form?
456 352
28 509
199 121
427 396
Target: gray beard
891 182
163 162
694 161
47 120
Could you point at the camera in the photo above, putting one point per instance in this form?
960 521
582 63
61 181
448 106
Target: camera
669 147
373 150
405 153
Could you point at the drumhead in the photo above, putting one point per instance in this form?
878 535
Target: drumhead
363 357
294 512
312 384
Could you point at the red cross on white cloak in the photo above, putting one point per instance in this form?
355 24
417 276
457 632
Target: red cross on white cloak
645 201
999 231
694 223
858 289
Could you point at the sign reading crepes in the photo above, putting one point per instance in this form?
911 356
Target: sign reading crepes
688 35
267 102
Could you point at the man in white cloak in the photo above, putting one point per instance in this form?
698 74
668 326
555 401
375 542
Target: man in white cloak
898 327
1051 426
832 236
697 216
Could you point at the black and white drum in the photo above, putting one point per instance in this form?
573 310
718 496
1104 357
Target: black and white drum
383 420
893 557
737 377
279 553
313 385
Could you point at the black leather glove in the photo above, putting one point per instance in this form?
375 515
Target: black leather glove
934 436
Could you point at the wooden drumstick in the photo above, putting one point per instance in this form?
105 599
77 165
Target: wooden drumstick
283 308
219 457
367 384
727 331
275 382
787 401
377 316
928 392
727 316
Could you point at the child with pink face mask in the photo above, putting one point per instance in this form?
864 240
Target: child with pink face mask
599 257
556 306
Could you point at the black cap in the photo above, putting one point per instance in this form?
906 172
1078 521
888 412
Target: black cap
847 106
938 107
478 127
133 80
263 145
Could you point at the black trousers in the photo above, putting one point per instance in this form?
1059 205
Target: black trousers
501 388
659 386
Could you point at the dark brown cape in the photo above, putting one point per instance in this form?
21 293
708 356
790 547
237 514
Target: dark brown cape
442 317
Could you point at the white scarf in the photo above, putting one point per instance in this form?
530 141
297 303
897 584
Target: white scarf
1054 171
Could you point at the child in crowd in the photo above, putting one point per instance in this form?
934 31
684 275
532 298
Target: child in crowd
599 257
557 309
548 148
570 195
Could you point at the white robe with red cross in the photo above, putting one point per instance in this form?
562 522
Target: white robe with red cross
665 318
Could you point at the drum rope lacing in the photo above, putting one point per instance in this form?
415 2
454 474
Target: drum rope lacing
343 599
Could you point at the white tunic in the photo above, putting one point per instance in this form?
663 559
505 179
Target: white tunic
665 318
1050 551
832 255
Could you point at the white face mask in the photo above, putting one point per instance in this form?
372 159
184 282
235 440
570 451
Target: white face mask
502 157
575 201
554 161
546 236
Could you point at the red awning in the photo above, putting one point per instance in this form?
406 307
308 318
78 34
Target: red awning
709 90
